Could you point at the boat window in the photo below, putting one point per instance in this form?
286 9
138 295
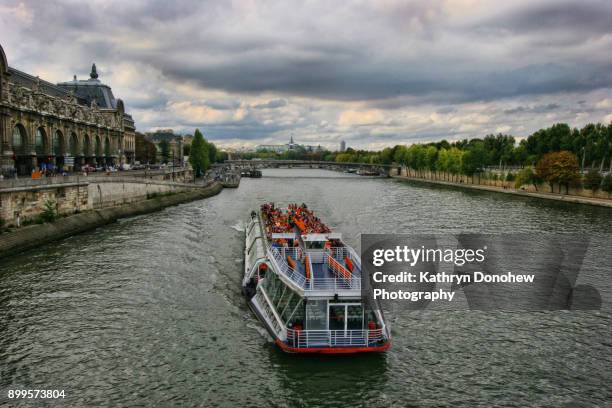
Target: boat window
337 317
344 316
281 301
316 315
286 305
314 244
279 294
272 284
354 319
297 314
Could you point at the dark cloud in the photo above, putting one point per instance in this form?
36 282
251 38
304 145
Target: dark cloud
273 104
590 17
550 107
261 57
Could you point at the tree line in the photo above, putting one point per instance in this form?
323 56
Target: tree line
587 150
557 155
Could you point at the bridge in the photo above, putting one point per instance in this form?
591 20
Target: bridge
378 169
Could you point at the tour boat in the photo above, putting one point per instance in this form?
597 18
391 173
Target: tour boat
304 284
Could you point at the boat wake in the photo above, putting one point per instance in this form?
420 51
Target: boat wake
239 226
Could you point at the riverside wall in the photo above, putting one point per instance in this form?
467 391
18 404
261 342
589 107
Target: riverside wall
22 201
543 191
33 236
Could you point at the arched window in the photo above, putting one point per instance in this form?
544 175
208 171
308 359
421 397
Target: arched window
86 146
74 145
58 143
98 147
107 147
40 142
19 138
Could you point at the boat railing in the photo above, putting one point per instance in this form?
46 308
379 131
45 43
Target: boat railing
334 338
339 270
266 306
342 281
280 264
295 253
339 253
335 284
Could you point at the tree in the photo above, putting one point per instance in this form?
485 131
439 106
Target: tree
606 184
527 176
474 159
431 157
199 154
455 160
592 180
164 150
212 152
559 167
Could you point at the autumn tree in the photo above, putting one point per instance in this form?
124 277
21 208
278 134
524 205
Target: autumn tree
558 167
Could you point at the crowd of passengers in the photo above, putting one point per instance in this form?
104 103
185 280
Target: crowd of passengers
277 221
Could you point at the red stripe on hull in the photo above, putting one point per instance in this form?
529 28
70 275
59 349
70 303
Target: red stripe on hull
332 350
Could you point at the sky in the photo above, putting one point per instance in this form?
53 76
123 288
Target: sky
372 73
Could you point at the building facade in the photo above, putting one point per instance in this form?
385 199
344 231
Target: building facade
172 152
60 126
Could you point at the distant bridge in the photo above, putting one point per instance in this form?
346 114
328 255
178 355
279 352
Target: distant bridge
381 169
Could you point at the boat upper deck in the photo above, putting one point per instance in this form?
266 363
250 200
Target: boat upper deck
304 250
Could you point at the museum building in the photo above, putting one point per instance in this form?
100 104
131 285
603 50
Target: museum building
60 127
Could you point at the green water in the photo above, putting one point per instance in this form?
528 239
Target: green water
148 311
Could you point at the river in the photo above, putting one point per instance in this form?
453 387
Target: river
148 311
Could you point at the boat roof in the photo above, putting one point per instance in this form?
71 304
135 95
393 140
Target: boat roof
283 235
321 237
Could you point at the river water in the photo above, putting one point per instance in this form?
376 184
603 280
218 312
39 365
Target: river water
148 311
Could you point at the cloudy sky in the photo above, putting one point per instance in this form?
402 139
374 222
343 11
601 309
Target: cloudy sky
373 73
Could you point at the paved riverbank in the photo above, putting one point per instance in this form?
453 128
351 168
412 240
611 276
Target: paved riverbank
33 236
547 196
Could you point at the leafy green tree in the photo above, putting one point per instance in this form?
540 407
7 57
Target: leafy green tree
455 160
431 157
198 158
475 158
606 184
212 152
164 150
386 155
527 176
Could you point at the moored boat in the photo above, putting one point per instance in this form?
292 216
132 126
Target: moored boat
304 284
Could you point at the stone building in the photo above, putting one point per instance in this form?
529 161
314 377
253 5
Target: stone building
60 126
146 152
174 142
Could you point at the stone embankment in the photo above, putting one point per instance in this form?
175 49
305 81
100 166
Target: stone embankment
568 198
32 236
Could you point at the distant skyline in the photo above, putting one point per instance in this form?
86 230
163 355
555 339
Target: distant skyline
373 74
